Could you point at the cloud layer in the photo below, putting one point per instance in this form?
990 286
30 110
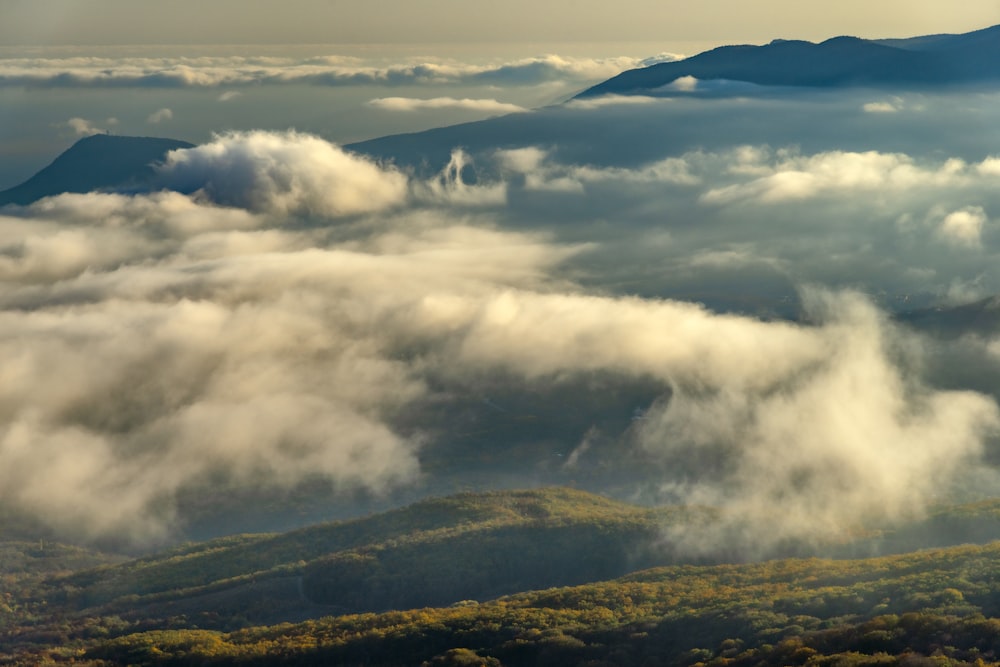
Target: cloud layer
416 104
213 72
281 312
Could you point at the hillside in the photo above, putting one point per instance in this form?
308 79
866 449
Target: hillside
470 559
436 552
838 62
929 608
97 162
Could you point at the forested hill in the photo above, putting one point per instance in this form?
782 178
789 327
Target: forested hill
435 552
929 608
463 556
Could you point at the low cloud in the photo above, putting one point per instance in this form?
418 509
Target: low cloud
283 311
784 176
159 116
82 127
880 107
611 101
409 104
542 173
213 72
450 185
683 84
283 174
964 227
855 440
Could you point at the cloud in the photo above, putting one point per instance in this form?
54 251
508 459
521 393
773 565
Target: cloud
893 104
964 227
290 311
408 104
229 95
683 84
82 127
664 57
159 116
283 174
855 440
542 173
785 177
880 107
590 103
213 72
267 357
450 186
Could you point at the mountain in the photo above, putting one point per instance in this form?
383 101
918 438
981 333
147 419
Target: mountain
926 608
97 162
435 552
477 571
838 62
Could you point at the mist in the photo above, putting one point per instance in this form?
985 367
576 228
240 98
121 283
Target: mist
285 312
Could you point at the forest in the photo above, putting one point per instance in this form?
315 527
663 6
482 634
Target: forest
542 577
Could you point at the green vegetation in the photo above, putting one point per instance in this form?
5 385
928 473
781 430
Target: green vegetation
434 552
488 579
932 608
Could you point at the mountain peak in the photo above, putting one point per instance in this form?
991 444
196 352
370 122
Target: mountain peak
96 162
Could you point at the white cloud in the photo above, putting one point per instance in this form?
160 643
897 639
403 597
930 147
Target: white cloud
541 173
684 84
280 319
211 72
408 104
964 227
159 116
82 127
450 187
664 57
787 177
880 107
613 100
286 173
229 95
853 440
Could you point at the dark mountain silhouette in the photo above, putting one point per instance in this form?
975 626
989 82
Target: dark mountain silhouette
931 60
97 162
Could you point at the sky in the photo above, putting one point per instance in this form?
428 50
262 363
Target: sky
46 45
700 297
104 22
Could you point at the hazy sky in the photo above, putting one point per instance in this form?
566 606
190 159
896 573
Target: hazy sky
433 21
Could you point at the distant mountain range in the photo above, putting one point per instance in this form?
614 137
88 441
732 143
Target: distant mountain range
931 60
97 162
110 162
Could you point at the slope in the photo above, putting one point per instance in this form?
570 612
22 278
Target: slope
439 551
97 162
838 62
927 608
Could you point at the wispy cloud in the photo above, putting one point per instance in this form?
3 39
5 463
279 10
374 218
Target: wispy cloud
613 100
160 116
211 72
406 104
82 127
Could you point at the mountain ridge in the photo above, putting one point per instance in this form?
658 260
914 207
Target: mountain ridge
97 162
842 61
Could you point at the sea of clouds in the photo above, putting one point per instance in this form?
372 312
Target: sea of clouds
275 308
